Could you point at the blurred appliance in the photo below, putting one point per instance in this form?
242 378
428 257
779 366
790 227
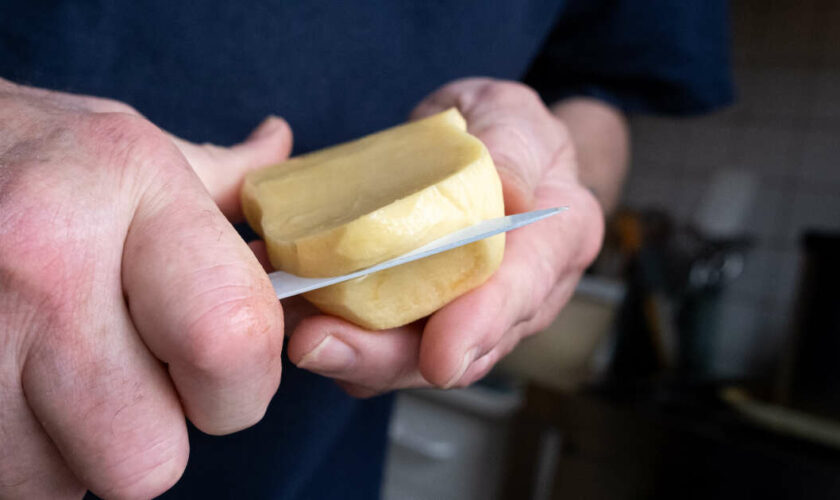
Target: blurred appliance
449 444
676 275
575 349
452 444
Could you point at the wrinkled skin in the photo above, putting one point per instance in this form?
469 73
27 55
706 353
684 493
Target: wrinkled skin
543 262
129 304
127 300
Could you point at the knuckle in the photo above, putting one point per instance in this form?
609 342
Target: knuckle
541 322
41 288
40 238
518 150
227 333
128 140
103 104
119 128
509 93
563 137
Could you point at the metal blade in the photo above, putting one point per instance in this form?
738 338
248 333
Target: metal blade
288 285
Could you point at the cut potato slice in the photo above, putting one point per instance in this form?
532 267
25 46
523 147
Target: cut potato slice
357 204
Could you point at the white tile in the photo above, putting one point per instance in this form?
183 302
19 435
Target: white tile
812 211
690 194
776 92
710 147
768 151
826 102
770 215
820 158
659 141
720 118
644 162
643 192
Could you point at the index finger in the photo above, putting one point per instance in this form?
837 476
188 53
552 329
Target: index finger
201 301
524 139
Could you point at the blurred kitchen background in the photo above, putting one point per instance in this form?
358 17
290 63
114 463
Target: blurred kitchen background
701 356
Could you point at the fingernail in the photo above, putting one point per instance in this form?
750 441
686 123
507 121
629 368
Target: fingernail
265 129
466 361
331 355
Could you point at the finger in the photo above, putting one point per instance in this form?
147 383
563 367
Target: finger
221 169
377 361
104 401
536 259
295 309
479 368
461 94
30 465
203 304
261 253
520 133
456 336
545 314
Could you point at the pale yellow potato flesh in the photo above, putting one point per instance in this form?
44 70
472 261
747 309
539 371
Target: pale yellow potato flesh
402 294
354 205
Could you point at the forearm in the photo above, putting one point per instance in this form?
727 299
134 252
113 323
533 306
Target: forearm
602 142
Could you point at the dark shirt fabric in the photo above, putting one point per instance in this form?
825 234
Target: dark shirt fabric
210 70
643 56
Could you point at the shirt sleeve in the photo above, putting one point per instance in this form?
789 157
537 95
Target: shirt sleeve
643 56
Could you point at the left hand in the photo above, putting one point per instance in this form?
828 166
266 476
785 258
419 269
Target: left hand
543 262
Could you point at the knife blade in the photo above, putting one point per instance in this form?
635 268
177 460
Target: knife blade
288 285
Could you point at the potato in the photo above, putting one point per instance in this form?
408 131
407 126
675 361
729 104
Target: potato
357 204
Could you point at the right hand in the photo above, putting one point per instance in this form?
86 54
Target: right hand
127 300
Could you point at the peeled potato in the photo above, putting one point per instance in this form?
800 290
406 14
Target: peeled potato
354 205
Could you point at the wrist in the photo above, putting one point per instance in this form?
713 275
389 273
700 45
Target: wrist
600 137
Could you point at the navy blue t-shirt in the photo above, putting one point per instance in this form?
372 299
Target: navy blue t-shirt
210 70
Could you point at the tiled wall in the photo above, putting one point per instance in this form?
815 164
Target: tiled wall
786 129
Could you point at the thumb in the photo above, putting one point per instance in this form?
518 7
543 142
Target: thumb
222 169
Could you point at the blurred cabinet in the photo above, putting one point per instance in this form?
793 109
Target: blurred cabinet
656 441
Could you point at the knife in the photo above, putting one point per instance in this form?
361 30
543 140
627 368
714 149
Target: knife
288 285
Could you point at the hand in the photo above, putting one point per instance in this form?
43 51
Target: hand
461 342
127 300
